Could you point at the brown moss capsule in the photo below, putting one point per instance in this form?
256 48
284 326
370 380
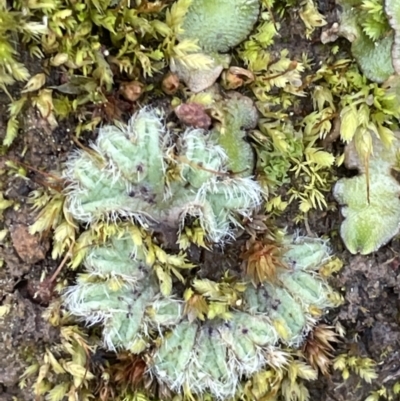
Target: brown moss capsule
170 84
132 90
235 77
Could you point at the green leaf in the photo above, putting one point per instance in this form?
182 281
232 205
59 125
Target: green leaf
348 123
58 392
319 157
165 281
11 131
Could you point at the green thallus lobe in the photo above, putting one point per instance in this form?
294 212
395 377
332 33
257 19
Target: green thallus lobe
138 171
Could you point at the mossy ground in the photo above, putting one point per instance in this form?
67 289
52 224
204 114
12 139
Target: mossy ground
370 285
